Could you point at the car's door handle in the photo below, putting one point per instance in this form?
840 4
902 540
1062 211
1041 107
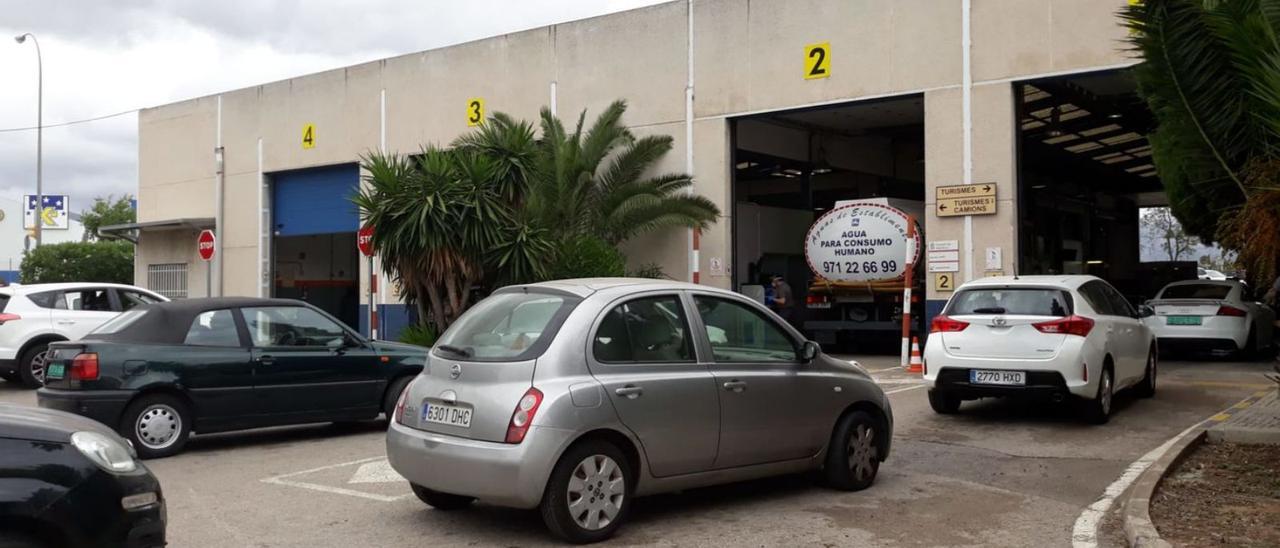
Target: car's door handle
735 385
66 322
266 360
629 391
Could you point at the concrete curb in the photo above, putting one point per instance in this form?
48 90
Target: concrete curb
1139 531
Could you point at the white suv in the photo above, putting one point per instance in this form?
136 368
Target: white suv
32 316
1052 337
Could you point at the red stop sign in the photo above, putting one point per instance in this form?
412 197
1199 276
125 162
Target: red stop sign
204 244
364 240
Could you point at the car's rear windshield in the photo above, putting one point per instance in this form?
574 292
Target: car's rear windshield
4 301
119 322
1196 291
1022 301
509 326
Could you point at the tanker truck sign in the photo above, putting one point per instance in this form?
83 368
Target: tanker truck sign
860 242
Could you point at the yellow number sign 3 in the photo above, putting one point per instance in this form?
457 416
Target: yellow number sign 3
475 111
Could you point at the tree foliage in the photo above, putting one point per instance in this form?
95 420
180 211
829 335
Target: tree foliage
505 204
1211 76
106 212
100 262
1174 242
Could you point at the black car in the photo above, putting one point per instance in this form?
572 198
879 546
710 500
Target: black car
68 481
161 371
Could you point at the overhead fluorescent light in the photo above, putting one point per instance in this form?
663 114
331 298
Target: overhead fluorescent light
822 170
791 171
1039 187
1095 261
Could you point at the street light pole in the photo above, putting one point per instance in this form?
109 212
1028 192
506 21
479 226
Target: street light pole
39 219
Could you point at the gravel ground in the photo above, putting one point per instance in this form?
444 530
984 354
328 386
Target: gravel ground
1222 495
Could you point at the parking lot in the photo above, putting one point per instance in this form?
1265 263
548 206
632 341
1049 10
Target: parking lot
999 473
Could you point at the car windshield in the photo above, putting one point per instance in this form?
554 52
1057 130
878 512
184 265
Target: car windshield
1029 301
1196 291
506 326
119 322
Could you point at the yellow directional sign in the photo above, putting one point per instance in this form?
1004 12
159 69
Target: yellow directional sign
960 200
965 191
956 207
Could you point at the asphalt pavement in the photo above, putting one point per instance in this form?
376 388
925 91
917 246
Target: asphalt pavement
998 474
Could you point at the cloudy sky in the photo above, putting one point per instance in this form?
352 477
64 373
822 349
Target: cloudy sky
105 57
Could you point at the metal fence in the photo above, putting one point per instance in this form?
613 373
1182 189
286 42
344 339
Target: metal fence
169 280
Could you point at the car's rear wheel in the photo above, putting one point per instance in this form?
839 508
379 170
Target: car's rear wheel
1098 410
157 424
441 501
853 459
32 364
589 493
393 395
1147 387
943 403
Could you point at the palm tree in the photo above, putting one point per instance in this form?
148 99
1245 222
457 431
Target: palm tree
599 183
1211 76
444 224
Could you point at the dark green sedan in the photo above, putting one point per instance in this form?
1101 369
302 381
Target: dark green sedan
159 372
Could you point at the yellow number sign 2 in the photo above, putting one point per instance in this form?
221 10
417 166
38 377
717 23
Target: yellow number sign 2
944 281
817 60
309 136
475 111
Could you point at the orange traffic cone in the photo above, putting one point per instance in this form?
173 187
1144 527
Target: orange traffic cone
917 364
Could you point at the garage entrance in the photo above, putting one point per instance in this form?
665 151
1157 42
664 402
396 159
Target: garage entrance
789 168
1085 169
314 255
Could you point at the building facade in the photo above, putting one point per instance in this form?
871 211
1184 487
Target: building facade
907 97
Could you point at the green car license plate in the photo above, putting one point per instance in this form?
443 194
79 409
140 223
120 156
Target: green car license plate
1182 320
56 371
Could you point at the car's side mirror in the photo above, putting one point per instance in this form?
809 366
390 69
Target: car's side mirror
1145 311
809 350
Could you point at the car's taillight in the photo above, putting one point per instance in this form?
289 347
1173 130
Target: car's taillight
9 318
1070 325
815 299
399 414
1225 310
523 415
943 324
84 367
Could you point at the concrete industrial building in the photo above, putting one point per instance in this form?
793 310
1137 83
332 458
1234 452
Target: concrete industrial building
1031 95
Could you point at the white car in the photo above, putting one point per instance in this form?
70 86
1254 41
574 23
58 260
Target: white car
1211 315
32 316
1210 274
1052 337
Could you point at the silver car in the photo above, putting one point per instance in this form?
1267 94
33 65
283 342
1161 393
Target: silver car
577 396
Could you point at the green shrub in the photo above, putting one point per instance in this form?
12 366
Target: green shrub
587 257
418 334
100 262
649 270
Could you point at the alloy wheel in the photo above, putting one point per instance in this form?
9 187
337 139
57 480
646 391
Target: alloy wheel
862 452
1105 396
158 426
596 491
38 363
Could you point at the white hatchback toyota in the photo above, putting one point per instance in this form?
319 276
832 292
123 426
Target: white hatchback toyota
32 316
1052 337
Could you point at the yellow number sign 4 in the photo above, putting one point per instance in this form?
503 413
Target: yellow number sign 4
309 136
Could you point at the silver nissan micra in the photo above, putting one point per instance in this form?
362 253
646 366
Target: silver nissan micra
577 396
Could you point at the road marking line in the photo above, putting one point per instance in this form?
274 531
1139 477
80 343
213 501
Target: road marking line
899 381
1224 384
1085 532
1242 405
895 391
280 480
